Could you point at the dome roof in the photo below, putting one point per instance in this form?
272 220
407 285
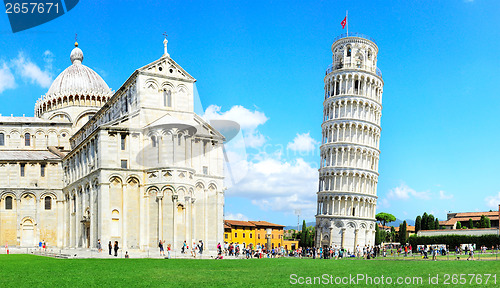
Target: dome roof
78 79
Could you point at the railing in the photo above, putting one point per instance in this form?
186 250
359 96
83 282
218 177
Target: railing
355 34
332 67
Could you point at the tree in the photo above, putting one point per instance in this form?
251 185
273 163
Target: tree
424 224
436 224
385 218
418 224
303 235
378 239
471 224
459 225
430 222
488 223
393 234
387 236
402 233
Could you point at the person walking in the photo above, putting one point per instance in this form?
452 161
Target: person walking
184 245
168 250
471 253
116 248
162 251
110 247
200 247
193 250
99 246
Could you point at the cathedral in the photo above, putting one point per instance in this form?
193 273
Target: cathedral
136 165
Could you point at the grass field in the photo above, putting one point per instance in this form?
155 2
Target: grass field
38 271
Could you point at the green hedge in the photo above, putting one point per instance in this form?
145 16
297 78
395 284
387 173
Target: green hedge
455 240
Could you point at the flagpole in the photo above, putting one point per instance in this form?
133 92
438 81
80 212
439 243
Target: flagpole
347 21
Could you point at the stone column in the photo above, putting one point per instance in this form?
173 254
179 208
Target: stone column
160 218
124 215
93 239
330 237
342 242
143 219
187 213
60 222
356 232
205 216
104 213
193 220
174 226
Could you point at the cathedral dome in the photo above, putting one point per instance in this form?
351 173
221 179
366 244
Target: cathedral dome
78 79
77 85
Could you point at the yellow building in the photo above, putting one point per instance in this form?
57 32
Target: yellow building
254 233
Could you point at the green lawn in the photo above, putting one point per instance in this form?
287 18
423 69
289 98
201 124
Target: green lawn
38 271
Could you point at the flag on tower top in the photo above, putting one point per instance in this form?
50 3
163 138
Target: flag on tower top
344 22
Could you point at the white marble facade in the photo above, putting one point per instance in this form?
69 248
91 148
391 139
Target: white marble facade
348 173
134 166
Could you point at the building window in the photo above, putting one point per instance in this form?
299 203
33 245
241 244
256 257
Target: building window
353 211
225 235
205 170
179 139
48 203
27 139
243 235
42 170
348 51
124 164
235 234
23 166
8 203
2 139
153 141
258 236
123 139
250 235
167 98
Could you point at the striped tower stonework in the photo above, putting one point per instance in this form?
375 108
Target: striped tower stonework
348 174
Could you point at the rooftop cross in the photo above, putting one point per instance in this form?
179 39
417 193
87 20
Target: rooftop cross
165 53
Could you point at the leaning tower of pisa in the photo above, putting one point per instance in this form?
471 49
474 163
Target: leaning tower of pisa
348 173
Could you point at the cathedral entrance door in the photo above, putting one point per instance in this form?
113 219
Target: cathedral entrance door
28 234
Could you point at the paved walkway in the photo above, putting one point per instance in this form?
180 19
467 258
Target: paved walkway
92 253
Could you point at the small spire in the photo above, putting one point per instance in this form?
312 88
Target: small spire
76 42
165 53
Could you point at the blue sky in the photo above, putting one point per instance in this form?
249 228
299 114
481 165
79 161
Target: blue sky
262 63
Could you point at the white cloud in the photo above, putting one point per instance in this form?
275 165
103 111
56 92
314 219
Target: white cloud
383 203
254 139
265 179
277 185
443 195
493 201
302 143
248 120
7 80
237 216
404 192
30 71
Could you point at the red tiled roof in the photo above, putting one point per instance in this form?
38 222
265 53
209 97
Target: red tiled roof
476 214
238 223
265 224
